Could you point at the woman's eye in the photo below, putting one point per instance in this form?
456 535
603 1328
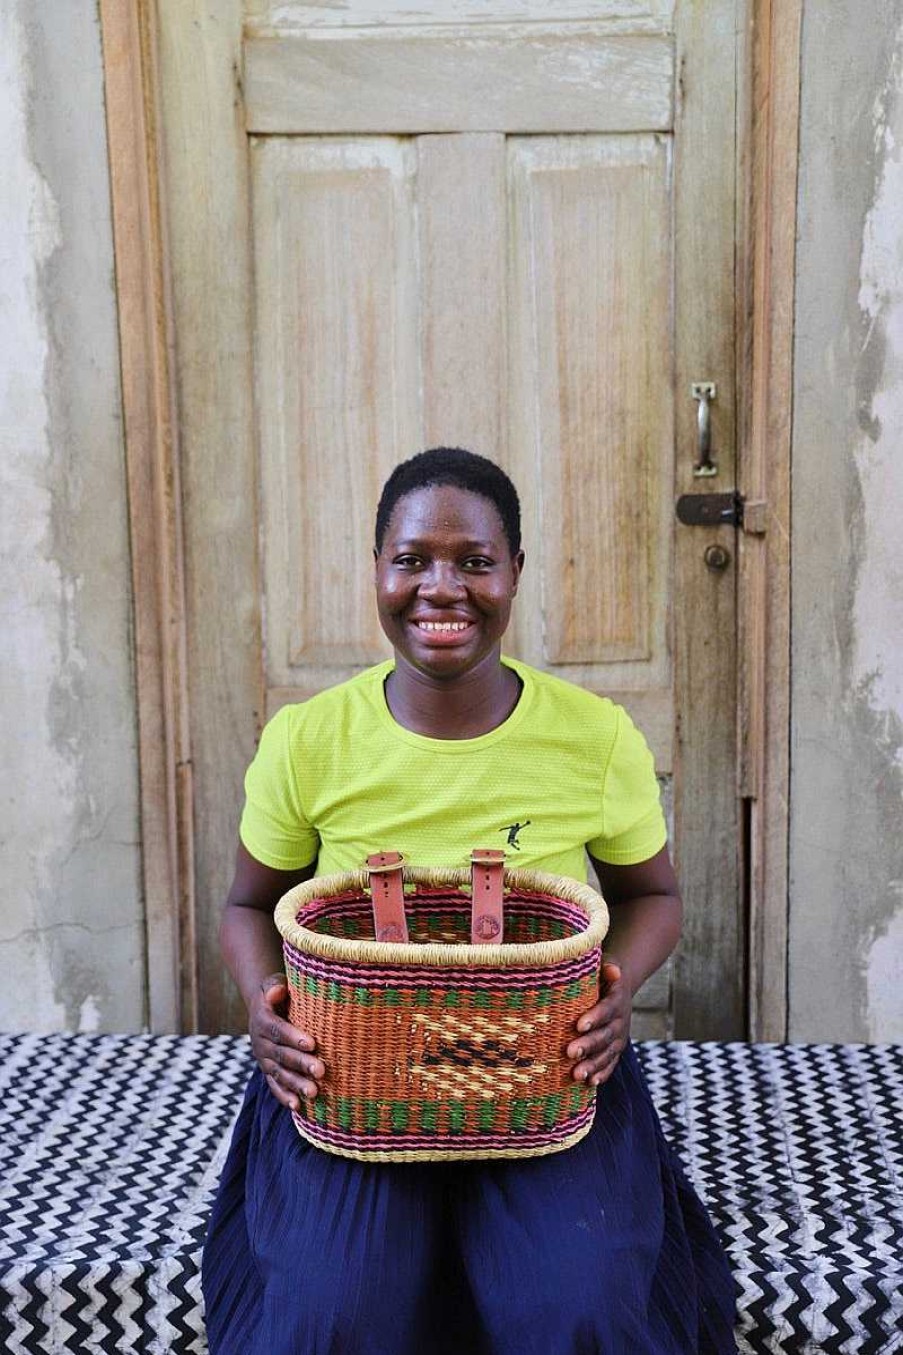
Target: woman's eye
407 561
475 562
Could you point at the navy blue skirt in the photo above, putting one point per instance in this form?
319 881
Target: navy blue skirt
604 1248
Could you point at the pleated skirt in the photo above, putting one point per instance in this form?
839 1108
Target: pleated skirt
604 1249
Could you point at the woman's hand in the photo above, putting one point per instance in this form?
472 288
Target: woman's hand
285 1054
252 947
604 1030
645 908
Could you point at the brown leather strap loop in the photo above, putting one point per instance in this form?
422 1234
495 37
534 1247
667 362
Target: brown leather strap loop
387 894
486 867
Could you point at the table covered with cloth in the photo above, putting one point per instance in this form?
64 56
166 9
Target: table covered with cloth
111 1147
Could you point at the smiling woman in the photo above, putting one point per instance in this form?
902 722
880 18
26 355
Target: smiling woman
602 1248
445 581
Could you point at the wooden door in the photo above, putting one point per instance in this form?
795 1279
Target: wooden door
511 230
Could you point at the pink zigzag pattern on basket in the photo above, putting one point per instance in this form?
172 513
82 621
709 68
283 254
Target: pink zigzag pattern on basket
424 976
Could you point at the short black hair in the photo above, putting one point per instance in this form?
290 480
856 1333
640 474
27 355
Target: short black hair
452 466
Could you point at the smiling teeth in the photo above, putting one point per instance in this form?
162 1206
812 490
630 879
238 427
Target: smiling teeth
443 625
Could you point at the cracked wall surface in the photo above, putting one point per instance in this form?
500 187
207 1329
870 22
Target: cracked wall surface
71 919
846 884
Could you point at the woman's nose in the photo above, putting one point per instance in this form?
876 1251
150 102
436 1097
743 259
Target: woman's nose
442 581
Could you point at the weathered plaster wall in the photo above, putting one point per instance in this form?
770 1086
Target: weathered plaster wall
846 919
71 924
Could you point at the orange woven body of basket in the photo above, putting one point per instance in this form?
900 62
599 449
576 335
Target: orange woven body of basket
450 1042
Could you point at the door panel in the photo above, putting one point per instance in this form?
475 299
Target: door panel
452 79
338 372
591 438
462 210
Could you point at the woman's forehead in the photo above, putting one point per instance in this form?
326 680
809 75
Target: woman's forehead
445 509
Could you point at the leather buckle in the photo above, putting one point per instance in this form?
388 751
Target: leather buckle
486 877
387 895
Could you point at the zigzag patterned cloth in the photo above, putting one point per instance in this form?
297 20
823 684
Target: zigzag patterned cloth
111 1147
797 1151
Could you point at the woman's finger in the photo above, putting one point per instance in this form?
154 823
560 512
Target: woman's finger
588 1045
286 1096
291 1084
604 1065
296 1073
283 1037
612 1038
612 1008
265 1024
293 1061
615 1001
589 1070
591 1018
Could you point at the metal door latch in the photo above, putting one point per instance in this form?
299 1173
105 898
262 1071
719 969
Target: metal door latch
722 510
710 510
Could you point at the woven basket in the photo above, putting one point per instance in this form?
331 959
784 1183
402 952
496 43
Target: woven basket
443 1035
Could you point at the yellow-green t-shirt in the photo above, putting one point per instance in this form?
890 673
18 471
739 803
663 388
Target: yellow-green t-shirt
336 778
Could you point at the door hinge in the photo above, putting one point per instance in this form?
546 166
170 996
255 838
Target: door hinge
722 510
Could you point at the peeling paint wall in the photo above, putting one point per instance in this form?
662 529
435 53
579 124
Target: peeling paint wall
71 919
846 889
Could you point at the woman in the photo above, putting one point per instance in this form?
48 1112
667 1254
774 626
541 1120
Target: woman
601 1248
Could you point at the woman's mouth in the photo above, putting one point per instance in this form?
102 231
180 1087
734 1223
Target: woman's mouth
443 631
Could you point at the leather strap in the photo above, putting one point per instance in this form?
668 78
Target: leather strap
486 867
387 893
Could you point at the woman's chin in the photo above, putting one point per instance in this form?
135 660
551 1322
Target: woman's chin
446 661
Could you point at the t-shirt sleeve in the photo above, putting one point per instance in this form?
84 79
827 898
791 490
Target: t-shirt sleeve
273 827
633 825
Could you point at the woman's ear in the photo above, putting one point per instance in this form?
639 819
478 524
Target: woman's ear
517 562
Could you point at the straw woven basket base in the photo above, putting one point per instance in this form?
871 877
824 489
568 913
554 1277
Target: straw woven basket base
469 1154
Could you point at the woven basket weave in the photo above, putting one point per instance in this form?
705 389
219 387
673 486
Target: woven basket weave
437 1048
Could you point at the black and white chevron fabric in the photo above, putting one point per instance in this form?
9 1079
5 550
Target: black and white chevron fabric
110 1151
111 1146
797 1151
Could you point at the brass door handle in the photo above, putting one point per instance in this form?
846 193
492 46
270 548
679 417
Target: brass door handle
704 392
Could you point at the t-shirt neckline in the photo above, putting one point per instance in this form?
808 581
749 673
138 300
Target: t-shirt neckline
508 725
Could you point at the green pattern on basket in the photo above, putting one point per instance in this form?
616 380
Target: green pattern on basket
466 999
354 1114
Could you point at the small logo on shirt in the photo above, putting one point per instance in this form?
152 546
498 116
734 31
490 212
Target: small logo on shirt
513 829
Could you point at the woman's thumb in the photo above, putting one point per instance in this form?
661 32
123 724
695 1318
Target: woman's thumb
274 987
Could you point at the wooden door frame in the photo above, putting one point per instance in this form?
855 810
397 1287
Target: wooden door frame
769 155
152 47
150 425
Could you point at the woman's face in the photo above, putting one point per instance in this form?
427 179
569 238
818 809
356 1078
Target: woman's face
445 580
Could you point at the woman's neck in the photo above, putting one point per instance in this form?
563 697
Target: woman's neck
453 708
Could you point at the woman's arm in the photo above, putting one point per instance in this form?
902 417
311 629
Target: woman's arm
252 949
645 907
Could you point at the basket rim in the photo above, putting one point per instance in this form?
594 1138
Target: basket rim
433 954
